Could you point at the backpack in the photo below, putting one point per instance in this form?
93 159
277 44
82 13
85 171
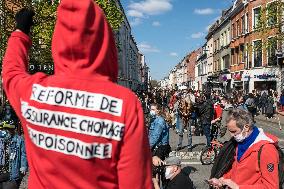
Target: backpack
280 165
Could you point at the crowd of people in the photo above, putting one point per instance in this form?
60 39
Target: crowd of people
190 112
82 130
13 159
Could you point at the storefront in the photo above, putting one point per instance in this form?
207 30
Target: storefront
199 82
237 83
225 80
262 79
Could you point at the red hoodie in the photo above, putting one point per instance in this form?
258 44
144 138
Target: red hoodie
82 130
247 173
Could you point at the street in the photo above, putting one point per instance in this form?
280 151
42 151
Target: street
190 160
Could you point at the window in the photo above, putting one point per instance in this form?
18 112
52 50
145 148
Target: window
272 14
243 25
271 54
238 28
247 23
225 38
222 40
256 17
218 44
229 35
233 31
257 53
226 61
237 55
243 53
232 56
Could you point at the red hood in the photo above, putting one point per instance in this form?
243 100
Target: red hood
83 45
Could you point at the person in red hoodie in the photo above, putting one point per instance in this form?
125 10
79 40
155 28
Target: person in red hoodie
215 123
246 173
82 130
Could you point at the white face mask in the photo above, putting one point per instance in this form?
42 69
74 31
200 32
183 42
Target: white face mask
152 113
168 173
239 137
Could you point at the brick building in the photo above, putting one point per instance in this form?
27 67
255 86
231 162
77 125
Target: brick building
191 62
253 61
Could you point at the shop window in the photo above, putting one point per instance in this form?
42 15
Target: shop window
271 54
257 53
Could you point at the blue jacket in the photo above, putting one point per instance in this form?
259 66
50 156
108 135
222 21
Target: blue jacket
242 106
282 100
158 132
18 158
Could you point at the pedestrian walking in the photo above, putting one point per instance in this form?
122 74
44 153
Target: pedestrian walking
270 106
186 110
159 133
82 130
263 102
206 113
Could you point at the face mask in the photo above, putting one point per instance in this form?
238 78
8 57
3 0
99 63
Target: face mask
239 137
152 113
168 173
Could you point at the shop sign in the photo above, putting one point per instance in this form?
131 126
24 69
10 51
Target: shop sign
265 76
237 77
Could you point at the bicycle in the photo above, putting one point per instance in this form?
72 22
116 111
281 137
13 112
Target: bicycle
208 155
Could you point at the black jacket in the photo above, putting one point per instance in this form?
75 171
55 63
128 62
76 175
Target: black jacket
206 111
181 181
224 160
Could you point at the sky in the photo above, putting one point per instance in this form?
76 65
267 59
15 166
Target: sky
167 30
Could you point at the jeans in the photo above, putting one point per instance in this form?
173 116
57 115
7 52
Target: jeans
189 135
207 133
263 108
178 124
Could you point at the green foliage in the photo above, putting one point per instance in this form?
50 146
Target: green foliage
113 13
42 31
270 23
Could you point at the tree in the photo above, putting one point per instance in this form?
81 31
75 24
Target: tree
270 23
41 56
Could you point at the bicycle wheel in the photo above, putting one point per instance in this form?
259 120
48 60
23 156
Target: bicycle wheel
208 156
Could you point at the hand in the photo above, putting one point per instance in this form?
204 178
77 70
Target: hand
155 183
23 171
228 182
24 20
157 161
216 183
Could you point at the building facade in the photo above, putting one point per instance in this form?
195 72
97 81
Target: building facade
254 62
191 61
201 69
128 55
144 73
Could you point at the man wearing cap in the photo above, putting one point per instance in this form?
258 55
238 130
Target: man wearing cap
177 178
